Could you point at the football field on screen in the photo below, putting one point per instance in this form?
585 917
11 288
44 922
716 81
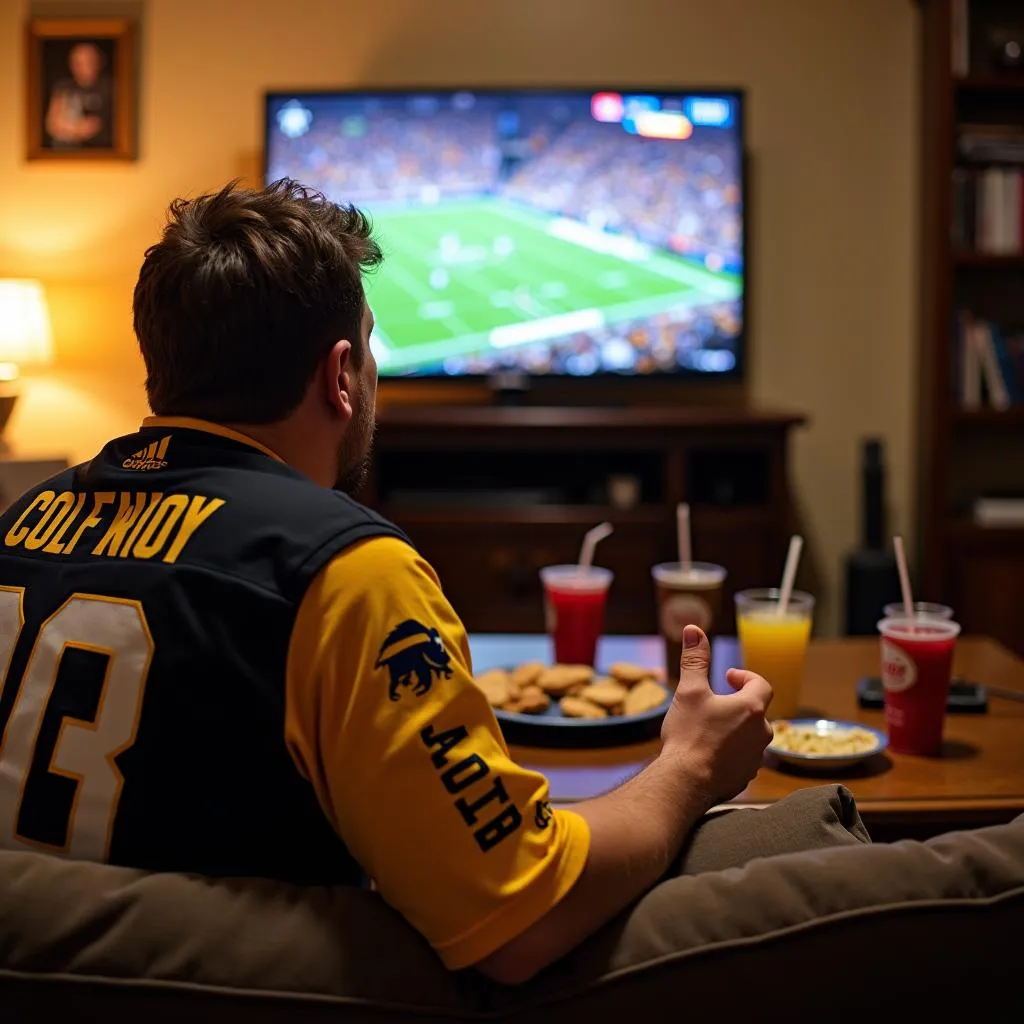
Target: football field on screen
462 278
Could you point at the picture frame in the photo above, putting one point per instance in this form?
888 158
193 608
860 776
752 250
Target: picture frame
80 92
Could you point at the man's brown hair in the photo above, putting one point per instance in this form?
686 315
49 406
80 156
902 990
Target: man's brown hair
244 294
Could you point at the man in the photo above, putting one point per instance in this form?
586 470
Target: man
201 636
79 112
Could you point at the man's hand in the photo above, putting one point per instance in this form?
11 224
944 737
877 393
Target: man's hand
716 739
711 748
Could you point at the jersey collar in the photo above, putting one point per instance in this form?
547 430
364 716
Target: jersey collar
208 427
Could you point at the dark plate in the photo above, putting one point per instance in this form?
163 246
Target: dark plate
552 729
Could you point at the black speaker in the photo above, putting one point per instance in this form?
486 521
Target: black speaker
872 579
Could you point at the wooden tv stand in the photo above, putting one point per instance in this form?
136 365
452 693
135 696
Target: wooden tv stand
489 494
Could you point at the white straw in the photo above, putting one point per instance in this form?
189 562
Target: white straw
796 544
590 541
901 565
683 535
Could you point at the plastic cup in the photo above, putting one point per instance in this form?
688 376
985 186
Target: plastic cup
927 608
690 595
917 659
774 645
574 600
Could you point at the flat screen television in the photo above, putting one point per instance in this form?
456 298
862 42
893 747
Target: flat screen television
554 232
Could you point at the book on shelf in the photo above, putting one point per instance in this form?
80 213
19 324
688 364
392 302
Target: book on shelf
999 510
990 143
960 57
988 364
988 210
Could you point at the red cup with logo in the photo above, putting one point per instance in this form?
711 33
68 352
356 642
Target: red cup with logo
917 660
574 599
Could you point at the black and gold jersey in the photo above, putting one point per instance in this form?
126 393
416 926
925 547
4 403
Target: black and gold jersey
210 664
147 600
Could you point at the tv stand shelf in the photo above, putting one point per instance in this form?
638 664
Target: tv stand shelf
528 418
489 494
578 515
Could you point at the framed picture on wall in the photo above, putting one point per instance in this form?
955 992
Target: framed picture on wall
81 89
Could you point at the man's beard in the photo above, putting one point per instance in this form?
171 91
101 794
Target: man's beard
355 451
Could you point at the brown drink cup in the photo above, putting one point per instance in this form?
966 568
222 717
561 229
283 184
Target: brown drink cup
687 595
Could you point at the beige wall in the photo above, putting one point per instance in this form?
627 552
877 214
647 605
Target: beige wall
831 101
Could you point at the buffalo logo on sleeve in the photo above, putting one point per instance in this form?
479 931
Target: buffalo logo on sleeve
413 654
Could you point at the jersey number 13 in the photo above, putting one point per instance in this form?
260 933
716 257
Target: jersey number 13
84 751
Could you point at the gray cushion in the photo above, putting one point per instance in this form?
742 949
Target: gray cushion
809 819
94 942
835 928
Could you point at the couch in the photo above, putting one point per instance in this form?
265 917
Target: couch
781 914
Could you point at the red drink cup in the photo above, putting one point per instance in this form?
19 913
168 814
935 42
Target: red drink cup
574 610
917 659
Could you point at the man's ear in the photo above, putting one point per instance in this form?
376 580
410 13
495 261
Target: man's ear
338 378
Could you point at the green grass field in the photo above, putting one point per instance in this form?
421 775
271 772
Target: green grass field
463 277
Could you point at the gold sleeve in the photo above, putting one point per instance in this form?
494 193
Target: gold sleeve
408 763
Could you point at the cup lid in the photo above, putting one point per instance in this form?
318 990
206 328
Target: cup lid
919 627
894 610
696 574
768 597
573 577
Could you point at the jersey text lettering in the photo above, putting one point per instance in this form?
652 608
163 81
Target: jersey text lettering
150 526
468 772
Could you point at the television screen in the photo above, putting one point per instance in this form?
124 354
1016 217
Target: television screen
537 231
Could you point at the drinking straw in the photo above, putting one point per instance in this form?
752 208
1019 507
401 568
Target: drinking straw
901 565
683 535
796 544
590 541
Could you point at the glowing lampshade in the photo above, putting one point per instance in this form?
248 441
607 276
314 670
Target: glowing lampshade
25 335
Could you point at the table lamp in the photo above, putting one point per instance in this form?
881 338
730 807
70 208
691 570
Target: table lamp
25 338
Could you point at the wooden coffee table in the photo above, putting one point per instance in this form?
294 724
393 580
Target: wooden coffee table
978 779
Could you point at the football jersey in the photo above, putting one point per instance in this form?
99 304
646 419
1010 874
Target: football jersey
211 664
147 601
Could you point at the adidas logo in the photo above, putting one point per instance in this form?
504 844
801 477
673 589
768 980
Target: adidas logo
151 457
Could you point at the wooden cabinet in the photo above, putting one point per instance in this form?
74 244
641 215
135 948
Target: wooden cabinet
489 494
985 570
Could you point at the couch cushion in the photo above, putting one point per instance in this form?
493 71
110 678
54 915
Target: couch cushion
97 921
95 942
89 919
814 818
825 933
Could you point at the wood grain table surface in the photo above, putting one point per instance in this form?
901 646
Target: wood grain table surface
977 780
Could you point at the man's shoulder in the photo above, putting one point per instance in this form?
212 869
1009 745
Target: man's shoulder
383 592
383 557
360 514
317 510
305 525
386 564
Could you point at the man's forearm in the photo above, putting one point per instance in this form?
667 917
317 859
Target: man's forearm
635 834
638 829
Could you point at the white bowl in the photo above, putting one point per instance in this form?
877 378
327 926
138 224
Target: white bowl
827 727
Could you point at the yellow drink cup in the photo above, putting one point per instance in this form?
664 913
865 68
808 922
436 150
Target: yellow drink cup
774 645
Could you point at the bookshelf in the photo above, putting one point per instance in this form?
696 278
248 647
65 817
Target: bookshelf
990 83
1013 415
986 259
970 449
